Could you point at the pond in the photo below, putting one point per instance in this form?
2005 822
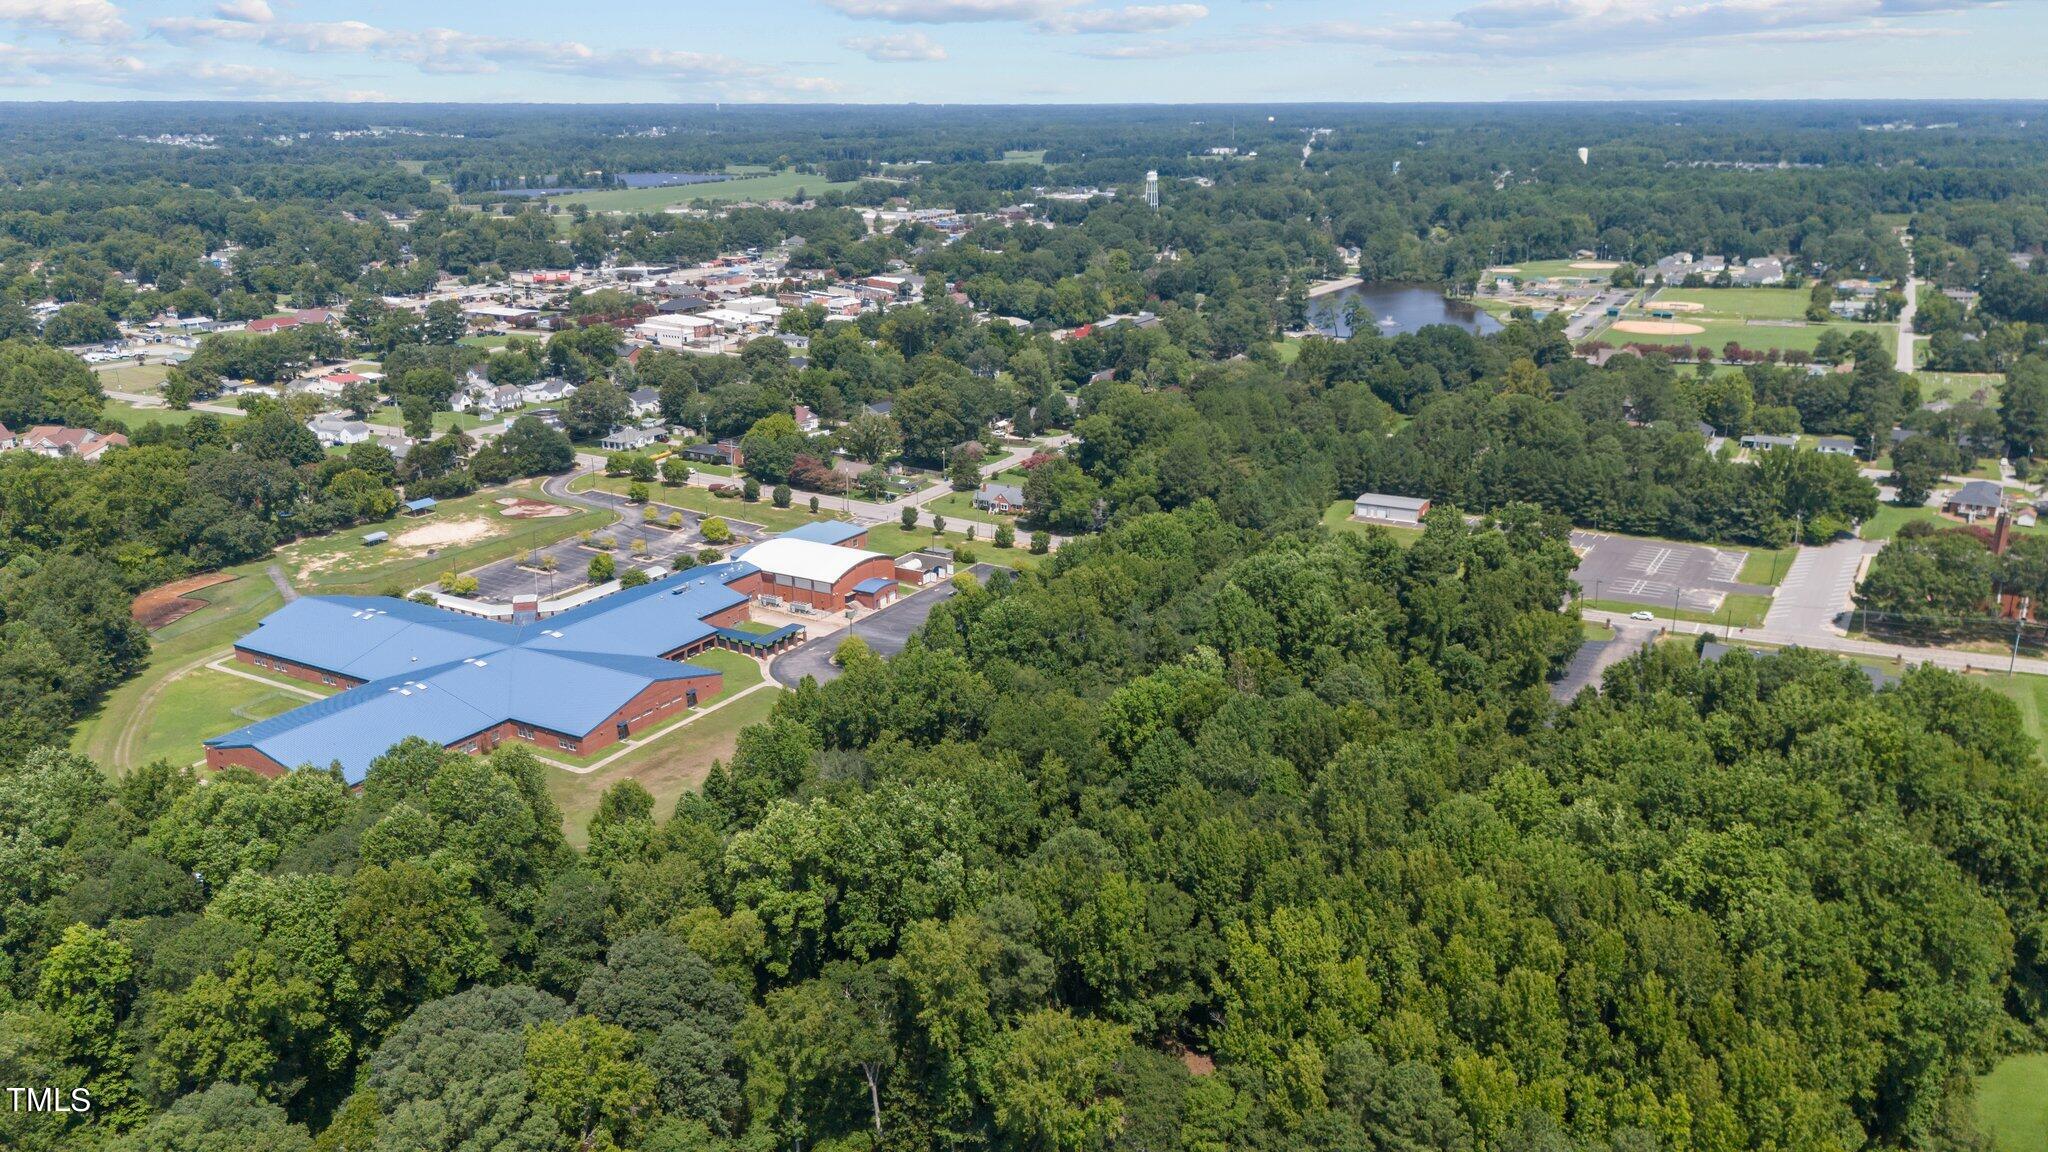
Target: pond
1391 309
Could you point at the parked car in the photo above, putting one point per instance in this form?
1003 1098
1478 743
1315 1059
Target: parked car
1642 615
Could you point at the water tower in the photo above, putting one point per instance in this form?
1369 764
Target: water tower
1152 190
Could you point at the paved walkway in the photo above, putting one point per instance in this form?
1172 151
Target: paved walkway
284 586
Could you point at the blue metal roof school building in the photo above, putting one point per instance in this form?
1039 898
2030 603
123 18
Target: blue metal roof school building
573 682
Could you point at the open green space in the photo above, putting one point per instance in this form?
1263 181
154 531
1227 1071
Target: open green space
1550 269
1738 610
1956 387
2030 693
699 499
1890 518
740 672
1739 303
2012 1103
768 186
891 539
114 736
1337 518
342 564
203 704
1717 332
960 506
132 377
1024 156
1766 566
443 421
1595 630
135 417
667 768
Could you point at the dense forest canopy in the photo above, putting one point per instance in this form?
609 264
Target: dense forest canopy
1218 829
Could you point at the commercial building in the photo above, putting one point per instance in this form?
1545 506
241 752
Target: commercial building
815 574
1385 509
572 683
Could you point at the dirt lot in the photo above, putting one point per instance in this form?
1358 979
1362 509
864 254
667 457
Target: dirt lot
445 534
1657 328
157 607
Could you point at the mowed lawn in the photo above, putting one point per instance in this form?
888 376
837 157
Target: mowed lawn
203 704
2030 693
2012 1103
770 186
1958 386
341 564
675 764
1551 269
136 418
1337 518
1739 303
132 377
117 735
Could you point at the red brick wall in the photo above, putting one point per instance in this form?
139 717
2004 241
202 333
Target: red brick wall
730 617
665 698
758 585
254 761
304 672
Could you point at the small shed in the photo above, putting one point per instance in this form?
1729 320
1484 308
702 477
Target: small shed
421 506
370 538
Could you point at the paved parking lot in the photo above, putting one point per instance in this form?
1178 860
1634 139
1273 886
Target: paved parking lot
887 632
1659 573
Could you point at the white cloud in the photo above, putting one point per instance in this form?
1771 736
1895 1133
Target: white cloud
901 48
1495 28
249 11
947 11
94 20
446 50
1134 18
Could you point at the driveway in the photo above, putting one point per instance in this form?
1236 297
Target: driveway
1595 657
887 632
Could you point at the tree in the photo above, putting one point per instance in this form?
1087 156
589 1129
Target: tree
715 530
637 493
1053 1082
41 385
771 447
418 415
360 398
454 1074
641 468
79 324
930 417
1006 536
869 437
750 491
583 1072
224 1118
633 578
908 517
780 497
444 322
595 409
602 568
1041 542
2023 408
675 470
86 983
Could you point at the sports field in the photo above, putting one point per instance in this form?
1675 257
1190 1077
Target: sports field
1546 269
773 186
1735 303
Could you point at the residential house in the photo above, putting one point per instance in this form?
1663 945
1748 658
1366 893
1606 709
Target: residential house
645 402
1974 500
55 440
552 390
806 420
335 432
999 498
1835 446
6 439
1759 442
1758 272
725 452
630 439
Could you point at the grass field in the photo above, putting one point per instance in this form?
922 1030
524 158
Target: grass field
1766 566
135 417
1738 610
114 736
1758 337
341 565
2012 1103
769 186
203 704
443 421
667 768
1737 303
891 540
132 377
960 506
698 499
1958 386
1024 156
1547 269
1337 518
1890 518
2031 694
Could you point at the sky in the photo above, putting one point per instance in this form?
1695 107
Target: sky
1019 51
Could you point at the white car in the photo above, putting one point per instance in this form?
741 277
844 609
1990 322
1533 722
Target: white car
1642 615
